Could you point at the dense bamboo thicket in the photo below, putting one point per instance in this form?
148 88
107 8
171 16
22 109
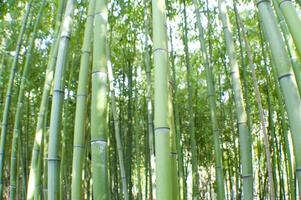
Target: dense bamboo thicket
150 99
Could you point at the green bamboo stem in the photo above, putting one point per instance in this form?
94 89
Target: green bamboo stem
286 78
150 125
237 159
65 138
260 107
129 124
173 148
116 127
244 134
99 104
162 130
244 73
81 106
289 44
290 183
57 105
136 140
182 181
293 22
9 93
292 189
45 166
194 163
2 66
212 100
35 173
34 176
20 104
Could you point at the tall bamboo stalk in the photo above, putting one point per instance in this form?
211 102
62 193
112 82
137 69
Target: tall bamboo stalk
9 93
57 105
286 78
99 104
162 130
293 22
36 159
116 127
182 180
259 104
244 135
289 44
150 125
212 100
194 160
20 103
81 106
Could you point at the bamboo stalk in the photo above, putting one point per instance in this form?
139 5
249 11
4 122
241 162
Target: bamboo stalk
57 104
9 93
244 134
99 146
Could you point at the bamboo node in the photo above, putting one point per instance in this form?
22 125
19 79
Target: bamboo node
246 176
261 1
242 122
101 141
4 124
164 129
53 159
284 75
100 73
65 34
159 49
283 1
86 51
59 91
79 146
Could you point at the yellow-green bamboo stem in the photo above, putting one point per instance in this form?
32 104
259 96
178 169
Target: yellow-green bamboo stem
99 146
57 105
161 121
285 76
244 134
81 107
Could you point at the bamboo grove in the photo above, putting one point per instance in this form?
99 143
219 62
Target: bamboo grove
150 99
